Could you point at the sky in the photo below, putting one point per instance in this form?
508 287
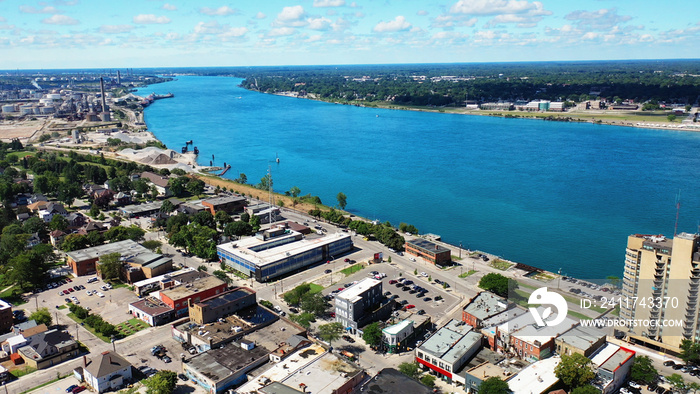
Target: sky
171 33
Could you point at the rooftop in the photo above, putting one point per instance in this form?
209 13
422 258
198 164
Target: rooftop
389 380
138 208
218 364
536 378
262 253
353 293
398 327
325 375
4 304
168 276
533 332
195 287
125 248
152 306
105 364
223 200
611 357
224 298
487 370
155 178
450 340
581 337
427 245
485 305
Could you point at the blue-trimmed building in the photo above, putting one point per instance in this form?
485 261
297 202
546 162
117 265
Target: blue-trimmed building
279 251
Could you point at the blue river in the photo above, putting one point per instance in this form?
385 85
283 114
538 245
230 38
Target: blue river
555 195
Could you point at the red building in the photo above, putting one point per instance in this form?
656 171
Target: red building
427 250
484 306
228 204
200 289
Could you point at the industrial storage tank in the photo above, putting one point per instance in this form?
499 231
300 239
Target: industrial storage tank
46 110
46 101
53 96
8 108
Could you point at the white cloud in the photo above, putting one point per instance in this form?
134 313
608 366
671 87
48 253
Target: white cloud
221 11
115 29
398 24
150 19
260 15
27 9
169 7
314 38
341 24
60 20
291 17
603 19
493 7
329 3
422 12
319 23
281 31
446 21
3 19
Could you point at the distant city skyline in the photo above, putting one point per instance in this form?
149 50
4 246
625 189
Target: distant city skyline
158 33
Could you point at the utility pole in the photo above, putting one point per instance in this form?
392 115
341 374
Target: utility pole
460 250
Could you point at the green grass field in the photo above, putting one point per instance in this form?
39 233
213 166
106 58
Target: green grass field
500 264
92 330
315 288
352 269
468 273
131 326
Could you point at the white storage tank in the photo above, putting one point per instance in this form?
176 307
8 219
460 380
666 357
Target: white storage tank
46 110
8 108
53 96
26 110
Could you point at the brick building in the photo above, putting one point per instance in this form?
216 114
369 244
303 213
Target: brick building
200 289
427 250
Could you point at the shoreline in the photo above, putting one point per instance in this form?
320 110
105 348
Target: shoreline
619 118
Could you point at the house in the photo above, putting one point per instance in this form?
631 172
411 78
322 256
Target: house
95 226
37 206
48 348
33 240
532 342
56 237
6 317
160 182
50 210
23 216
107 371
121 199
36 198
394 335
75 219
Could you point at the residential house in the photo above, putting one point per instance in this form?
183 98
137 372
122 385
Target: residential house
50 210
108 371
48 348
56 237
160 182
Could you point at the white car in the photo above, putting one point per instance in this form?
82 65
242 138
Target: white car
100 294
104 287
423 274
89 292
412 259
635 385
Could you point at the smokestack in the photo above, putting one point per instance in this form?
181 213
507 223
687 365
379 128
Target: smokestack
102 89
119 78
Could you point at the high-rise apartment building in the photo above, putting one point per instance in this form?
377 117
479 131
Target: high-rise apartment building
660 289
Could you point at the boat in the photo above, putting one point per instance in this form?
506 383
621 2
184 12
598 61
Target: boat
277 159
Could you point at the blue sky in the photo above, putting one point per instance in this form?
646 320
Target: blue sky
155 33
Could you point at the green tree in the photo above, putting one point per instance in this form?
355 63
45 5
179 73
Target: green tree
265 183
497 283
42 316
74 242
222 275
410 369
151 244
494 385
587 389
342 200
58 222
314 303
690 351
255 223
294 191
677 382
94 211
238 229
35 225
671 118
167 206
110 266
242 178
372 334
195 187
245 217
304 319
643 370
574 370
163 382
95 238
27 269
428 380
222 219
330 332
294 296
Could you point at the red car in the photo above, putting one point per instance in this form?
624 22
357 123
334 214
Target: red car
341 288
78 389
410 306
70 289
391 282
69 280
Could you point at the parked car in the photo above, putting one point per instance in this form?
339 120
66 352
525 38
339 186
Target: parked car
327 271
437 281
182 377
347 260
669 363
89 292
70 388
294 310
423 274
421 312
93 279
167 359
60 293
78 389
348 338
99 294
68 300
426 299
393 281
410 306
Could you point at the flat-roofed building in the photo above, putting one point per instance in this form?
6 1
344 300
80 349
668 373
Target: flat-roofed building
389 380
177 297
84 261
394 336
448 349
429 251
354 306
656 268
152 310
532 342
228 204
537 378
613 364
218 370
160 282
313 369
222 305
583 340
268 258
476 375
138 210
498 340
483 306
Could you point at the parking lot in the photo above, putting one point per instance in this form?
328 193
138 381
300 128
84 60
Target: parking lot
435 309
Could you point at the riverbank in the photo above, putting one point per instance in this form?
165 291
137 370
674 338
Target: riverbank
637 119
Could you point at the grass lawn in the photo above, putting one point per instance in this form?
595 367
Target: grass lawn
500 264
62 307
9 296
352 269
578 315
315 288
131 326
468 273
22 371
455 258
92 330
